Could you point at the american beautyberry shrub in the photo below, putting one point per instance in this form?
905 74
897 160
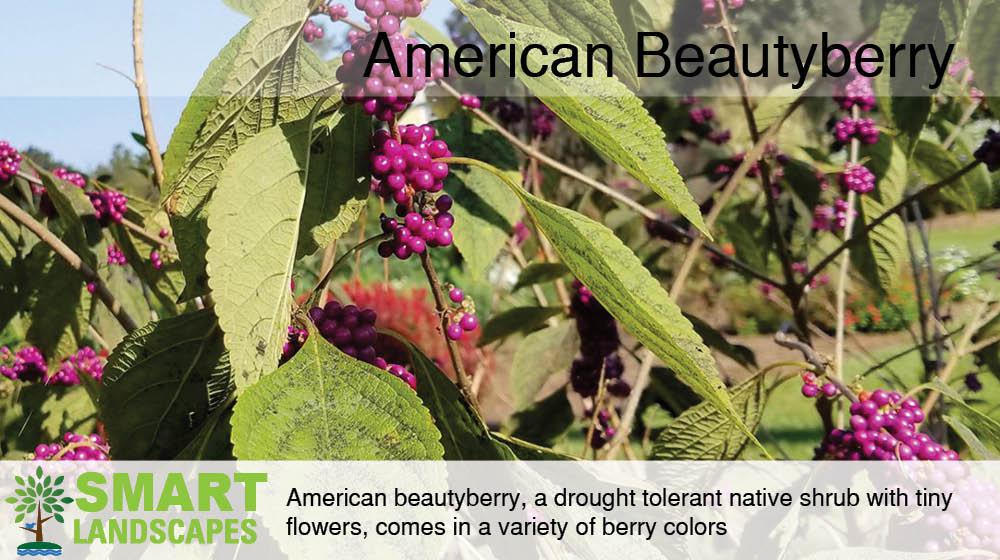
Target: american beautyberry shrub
599 342
27 364
74 447
10 161
86 361
883 427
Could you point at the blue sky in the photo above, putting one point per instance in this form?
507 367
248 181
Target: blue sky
56 97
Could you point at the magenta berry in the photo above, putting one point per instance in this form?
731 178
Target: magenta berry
456 295
311 31
10 162
469 322
27 364
454 331
857 178
599 342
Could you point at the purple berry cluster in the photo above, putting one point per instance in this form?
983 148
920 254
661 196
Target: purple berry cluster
311 31
702 123
404 167
508 112
115 256
382 93
543 121
74 447
857 178
10 161
811 388
27 364
70 177
109 206
85 361
988 152
470 101
352 330
462 317
599 342
862 129
883 428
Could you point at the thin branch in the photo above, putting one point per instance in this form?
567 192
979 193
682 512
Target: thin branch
143 92
820 363
71 258
130 79
146 236
845 264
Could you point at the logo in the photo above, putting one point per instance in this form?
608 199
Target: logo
40 498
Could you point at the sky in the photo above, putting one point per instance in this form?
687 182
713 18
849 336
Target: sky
56 96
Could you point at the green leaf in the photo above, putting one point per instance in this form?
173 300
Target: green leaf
58 517
57 304
934 164
544 422
636 16
740 354
977 448
906 101
338 185
527 451
250 8
983 43
254 225
11 500
323 405
430 34
704 433
463 434
601 110
213 441
516 320
484 212
582 22
162 383
539 356
881 257
540 273
19 518
630 293
986 428
262 78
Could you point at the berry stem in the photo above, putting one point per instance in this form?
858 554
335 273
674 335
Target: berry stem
71 258
845 261
461 378
152 146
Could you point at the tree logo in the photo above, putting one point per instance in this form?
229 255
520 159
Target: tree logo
42 496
